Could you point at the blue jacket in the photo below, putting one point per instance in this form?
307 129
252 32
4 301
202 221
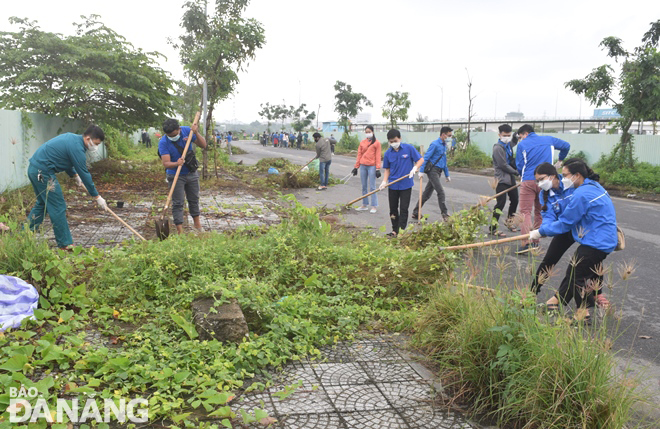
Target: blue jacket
65 152
536 150
436 155
400 162
167 147
589 216
557 202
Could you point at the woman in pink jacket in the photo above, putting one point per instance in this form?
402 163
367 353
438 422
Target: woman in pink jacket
368 161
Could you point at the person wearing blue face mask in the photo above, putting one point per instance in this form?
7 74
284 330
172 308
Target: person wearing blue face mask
590 218
170 149
435 163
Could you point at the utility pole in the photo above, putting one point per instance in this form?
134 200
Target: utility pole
204 91
317 117
442 101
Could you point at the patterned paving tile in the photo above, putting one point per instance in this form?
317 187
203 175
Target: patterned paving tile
341 374
389 371
303 402
312 421
428 417
365 397
381 419
408 393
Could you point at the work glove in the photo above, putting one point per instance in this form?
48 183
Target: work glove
412 172
558 165
354 172
382 186
421 175
79 181
101 202
448 179
377 174
534 235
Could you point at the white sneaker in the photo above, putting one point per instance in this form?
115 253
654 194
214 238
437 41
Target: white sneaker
373 210
362 208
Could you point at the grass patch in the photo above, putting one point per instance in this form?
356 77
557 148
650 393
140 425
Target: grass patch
471 157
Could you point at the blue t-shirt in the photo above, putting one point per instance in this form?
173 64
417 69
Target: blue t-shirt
400 162
229 138
167 147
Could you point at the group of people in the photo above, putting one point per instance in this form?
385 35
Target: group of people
570 206
284 139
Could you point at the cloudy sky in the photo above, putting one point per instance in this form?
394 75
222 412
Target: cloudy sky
519 53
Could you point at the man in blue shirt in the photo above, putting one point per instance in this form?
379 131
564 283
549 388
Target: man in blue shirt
229 140
533 150
400 160
65 152
170 149
436 159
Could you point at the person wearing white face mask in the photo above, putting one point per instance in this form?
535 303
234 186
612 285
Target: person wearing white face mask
367 163
400 160
435 163
590 218
504 165
65 152
170 149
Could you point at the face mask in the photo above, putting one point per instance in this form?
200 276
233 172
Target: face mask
505 139
448 140
175 138
546 184
568 183
369 135
395 146
92 148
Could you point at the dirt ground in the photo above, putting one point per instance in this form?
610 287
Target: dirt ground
225 203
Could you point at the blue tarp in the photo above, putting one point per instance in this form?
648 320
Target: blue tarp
18 301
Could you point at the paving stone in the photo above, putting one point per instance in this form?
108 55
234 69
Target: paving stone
428 417
365 397
408 393
381 419
332 374
250 401
303 402
389 372
312 421
293 373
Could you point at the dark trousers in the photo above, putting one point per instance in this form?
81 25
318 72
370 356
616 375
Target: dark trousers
581 279
399 203
558 246
433 184
501 202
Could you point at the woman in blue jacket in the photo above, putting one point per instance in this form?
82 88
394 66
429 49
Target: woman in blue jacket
590 218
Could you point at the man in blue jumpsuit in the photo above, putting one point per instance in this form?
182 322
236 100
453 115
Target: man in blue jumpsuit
65 152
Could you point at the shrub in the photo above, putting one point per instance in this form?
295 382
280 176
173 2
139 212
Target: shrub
643 177
118 143
348 143
471 157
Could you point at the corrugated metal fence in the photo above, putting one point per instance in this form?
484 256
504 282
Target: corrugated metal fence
20 136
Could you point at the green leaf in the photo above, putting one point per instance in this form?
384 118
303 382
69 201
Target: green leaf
36 275
187 326
15 363
180 417
66 315
226 423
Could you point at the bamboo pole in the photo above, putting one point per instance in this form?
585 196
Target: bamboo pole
421 189
487 243
377 190
301 168
125 224
483 203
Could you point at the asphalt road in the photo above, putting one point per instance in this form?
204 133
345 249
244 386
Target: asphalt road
636 300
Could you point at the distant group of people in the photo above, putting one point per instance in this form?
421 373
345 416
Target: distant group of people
285 140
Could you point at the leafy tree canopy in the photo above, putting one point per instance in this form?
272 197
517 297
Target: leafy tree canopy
348 103
94 75
396 107
637 85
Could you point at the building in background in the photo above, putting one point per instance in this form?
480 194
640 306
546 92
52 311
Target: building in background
515 116
606 114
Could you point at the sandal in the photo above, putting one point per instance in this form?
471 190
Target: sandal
498 234
391 235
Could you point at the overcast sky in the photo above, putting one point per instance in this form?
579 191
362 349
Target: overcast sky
519 53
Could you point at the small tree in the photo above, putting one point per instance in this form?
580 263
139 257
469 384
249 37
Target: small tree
303 118
396 107
420 127
186 100
637 85
269 113
471 112
215 47
348 104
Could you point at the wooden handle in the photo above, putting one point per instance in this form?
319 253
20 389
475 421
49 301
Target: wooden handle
178 169
487 243
500 193
377 190
125 224
301 168
421 190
